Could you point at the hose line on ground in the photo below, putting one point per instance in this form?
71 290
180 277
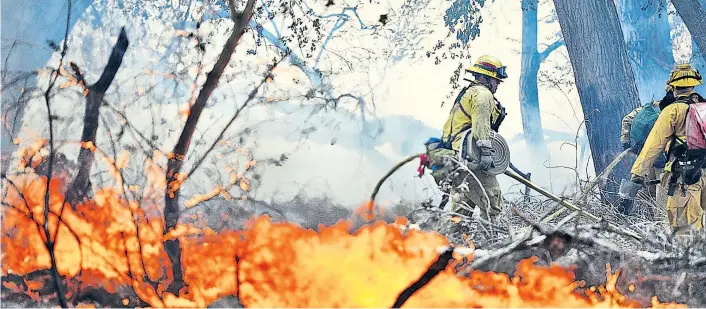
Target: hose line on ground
390 172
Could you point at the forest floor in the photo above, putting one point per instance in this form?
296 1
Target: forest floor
660 264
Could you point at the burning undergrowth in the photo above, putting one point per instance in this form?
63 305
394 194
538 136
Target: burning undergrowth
110 254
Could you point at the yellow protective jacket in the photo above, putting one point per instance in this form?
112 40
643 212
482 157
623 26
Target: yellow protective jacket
670 123
476 109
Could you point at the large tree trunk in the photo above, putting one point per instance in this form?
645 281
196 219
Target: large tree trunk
529 94
646 29
604 79
693 15
28 27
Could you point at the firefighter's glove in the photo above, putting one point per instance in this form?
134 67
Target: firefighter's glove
486 152
626 145
627 192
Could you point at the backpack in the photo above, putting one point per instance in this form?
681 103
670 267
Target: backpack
696 128
691 152
640 128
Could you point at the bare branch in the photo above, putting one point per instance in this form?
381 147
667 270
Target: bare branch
433 270
80 185
49 242
176 162
251 96
552 47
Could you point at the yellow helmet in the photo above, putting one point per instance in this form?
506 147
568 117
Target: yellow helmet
684 75
489 66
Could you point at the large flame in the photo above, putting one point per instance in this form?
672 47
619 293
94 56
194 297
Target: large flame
266 265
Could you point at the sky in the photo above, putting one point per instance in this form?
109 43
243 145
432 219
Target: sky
332 161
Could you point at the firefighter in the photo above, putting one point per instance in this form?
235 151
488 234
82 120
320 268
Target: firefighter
475 108
635 140
686 196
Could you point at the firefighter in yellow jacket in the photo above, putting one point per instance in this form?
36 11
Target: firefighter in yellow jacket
685 201
477 109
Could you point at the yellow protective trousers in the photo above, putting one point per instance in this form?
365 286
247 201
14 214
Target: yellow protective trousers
686 207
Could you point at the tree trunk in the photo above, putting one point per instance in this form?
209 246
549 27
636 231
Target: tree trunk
646 30
80 185
176 161
604 79
529 94
693 15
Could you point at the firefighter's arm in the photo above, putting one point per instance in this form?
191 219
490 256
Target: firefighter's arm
480 104
626 124
661 133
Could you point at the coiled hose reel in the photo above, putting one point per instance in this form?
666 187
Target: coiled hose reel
501 153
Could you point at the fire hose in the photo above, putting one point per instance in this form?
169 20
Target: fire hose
568 205
514 175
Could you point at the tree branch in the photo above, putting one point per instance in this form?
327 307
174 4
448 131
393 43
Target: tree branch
547 51
251 96
80 185
433 270
176 162
49 242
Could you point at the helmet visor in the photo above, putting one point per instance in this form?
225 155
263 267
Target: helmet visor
501 72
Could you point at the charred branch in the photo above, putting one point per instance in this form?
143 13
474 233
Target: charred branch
49 241
176 162
80 185
433 270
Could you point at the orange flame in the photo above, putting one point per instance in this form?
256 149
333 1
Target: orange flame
108 242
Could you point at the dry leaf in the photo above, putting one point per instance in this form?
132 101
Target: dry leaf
66 84
88 145
245 184
250 164
225 195
34 285
185 111
123 160
11 285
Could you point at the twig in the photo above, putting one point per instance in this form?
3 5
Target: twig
49 242
133 129
433 270
591 185
251 96
477 263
